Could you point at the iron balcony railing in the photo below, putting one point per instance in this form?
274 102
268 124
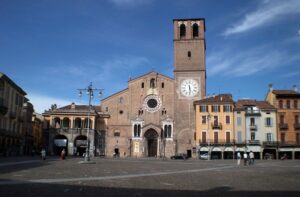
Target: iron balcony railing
283 126
212 142
254 142
297 126
270 143
252 113
216 125
253 127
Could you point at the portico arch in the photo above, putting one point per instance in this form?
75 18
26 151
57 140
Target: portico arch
151 138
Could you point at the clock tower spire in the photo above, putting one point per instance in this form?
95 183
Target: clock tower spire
190 79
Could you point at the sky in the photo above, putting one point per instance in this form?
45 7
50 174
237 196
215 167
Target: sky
52 48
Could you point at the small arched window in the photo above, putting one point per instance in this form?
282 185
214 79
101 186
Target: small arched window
142 85
195 30
152 83
182 30
162 85
189 54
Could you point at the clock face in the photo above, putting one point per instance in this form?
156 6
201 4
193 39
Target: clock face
189 87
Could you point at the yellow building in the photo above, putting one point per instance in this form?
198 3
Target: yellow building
215 126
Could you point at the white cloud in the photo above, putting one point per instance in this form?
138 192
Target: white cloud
129 3
267 12
253 61
44 102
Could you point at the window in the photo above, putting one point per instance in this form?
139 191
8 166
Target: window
252 121
195 30
216 120
227 108
189 54
137 130
281 119
227 119
162 85
280 104
282 137
106 109
142 85
269 137
295 104
296 119
252 136
203 108
203 137
152 83
117 134
168 131
268 122
239 121
239 137
203 119
215 108
182 30
298 138
121 100
288 104
227 137
216 137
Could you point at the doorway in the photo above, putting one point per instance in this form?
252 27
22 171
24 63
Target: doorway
151 138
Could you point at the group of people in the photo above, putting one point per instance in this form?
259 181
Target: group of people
248 159
62 154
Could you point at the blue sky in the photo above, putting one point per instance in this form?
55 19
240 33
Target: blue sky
51 48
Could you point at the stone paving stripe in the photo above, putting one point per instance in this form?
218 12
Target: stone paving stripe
111 177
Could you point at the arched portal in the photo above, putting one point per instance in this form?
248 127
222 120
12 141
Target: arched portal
60 143
151 137
80 144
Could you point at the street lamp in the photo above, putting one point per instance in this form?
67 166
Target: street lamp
90 92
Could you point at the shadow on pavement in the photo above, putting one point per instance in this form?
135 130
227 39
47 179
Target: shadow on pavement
82 190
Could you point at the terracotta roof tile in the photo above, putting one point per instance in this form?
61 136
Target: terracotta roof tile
221 98
284 92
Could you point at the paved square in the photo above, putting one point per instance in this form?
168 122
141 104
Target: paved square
148 177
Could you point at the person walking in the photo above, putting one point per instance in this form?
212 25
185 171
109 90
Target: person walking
238 158
245 158
63 154
251 156
43 153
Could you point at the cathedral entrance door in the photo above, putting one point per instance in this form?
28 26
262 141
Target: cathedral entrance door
151 138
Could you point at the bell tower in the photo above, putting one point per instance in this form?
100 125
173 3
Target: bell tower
190 79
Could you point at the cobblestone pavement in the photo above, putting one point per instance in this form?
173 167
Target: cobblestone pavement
147 177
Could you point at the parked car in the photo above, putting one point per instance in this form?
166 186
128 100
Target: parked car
179 157
204 156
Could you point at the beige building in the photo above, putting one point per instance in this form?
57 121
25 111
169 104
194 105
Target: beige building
255 125
15 119
287 103
215 126
155 116
66 128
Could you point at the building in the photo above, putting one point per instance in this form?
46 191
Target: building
37 131
155 116
66 128
287 103
255 126
215 126
15 127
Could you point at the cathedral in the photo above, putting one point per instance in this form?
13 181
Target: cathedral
154 116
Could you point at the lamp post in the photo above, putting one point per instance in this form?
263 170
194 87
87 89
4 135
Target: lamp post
90 92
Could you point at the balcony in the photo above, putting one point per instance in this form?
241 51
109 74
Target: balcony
283 126
213 142
253 142
3 106
287 143
253 127
270 143
13 115
252 113
216 125
297 126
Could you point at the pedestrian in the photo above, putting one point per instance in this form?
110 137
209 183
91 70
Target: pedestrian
245 158
43 153
251 156
238 158
63 154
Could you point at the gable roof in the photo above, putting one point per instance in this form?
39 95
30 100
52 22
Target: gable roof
241 104
221 98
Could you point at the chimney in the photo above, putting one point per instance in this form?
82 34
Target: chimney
73 106
270 87
295 87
